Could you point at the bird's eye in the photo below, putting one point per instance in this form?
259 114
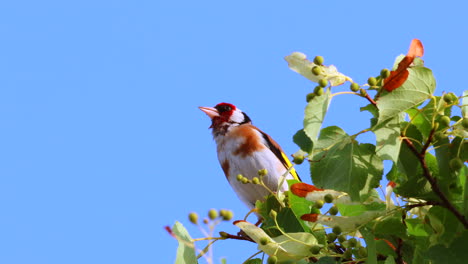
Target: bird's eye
223 108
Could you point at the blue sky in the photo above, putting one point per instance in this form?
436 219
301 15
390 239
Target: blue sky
102 142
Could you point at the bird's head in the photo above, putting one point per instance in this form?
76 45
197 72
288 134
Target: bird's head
225 115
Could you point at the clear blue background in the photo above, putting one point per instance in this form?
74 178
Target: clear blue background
102 143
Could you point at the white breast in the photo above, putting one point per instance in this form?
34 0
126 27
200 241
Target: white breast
248 166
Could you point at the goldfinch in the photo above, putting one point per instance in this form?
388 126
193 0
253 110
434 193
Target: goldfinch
244 149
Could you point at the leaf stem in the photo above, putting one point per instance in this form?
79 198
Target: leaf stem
366 96
435 187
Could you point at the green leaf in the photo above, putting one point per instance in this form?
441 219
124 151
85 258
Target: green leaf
416 227
299 206
327 260
367 157
383 248
370 243
390 226
254 261
186 248
344 165
417 88
424 118
303 141
299 63
287 247
408 173
455 253
444 223
314 114
390 260
388 139
285 217
358 209
464 183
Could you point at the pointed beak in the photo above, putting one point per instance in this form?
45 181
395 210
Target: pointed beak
210 111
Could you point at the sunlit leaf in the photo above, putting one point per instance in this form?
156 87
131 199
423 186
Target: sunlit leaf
423 118
344 165
346 223
186 249
417 88
299 63
313 116
388 139
292 246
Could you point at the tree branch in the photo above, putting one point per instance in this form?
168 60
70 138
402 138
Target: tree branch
435 187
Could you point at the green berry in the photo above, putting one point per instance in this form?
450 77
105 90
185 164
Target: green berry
316 70
318 91
465 123
456 164
264 241
328 198
372 81
331 237
323 82
341 238
255 180
337 230
193 217
318 204
298 159
315 249
245 180
262 172
348 254
354 87
331 246
444 121
315 210
223 234
352 242
226 214
362 252
212 214
318 60
333 210
222 212
363 92
239 177
448 98
384 73
273 214
454 97
310 96
272 260
439 135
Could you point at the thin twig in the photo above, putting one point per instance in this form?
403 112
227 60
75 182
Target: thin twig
370 99
411 206
238 237
435 187
428 142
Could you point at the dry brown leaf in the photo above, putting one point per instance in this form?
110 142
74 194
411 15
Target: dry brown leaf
400 75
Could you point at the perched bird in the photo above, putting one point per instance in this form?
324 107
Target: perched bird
244 149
